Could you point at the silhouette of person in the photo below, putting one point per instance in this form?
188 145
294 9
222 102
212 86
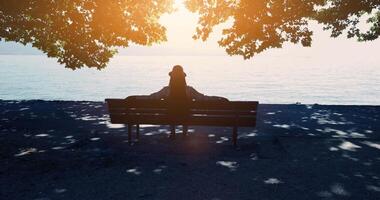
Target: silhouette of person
177 97
179 94
178 90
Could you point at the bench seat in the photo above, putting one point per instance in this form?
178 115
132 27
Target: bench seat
135 111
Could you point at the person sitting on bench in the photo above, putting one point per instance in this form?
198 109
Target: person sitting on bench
179 94
179 90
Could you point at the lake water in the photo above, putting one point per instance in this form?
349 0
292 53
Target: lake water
275 80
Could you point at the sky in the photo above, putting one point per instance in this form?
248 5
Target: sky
181 27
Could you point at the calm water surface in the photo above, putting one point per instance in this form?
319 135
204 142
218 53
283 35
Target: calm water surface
278 80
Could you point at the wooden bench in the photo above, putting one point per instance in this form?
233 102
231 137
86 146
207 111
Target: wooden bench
134 111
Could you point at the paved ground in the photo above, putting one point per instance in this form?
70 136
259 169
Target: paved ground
68 150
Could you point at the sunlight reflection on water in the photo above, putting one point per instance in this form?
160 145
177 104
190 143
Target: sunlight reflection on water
268 81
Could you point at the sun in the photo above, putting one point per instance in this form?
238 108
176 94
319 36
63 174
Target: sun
179 2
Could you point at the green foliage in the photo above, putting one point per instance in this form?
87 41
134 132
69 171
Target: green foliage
82 32
258 25
342 15
86 32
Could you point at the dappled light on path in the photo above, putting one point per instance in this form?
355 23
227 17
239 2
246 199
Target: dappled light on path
229 164
68 149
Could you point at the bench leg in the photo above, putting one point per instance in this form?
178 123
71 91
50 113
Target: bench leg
129 133
184 129
138 131
234 135
172 132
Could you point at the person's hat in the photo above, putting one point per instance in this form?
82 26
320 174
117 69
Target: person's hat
177 70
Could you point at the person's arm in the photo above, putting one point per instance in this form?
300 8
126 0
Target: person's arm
194 94
163 93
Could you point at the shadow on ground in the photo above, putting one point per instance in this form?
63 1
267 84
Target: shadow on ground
69 150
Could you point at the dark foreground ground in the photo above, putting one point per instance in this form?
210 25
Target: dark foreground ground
68 150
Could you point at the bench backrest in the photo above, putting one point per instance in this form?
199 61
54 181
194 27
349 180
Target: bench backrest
152 111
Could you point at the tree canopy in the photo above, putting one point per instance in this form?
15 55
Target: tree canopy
262 24
86 32
82 32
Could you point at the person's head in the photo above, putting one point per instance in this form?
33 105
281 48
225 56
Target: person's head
177 72
177 81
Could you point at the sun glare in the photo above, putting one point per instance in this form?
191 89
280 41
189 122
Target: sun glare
181 26
177 2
